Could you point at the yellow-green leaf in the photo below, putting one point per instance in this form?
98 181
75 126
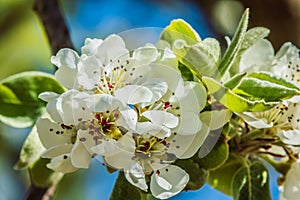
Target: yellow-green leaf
180 29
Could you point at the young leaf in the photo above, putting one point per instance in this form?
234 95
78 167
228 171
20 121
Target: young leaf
41 176
217 156
251 183
221 177
124 190
266 86
19 103
231 52
201 58
235 102
198 176
186 72
253 35
31 150
234 81
179 29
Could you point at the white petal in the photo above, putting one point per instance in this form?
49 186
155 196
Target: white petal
112 48
215 119
62 164
194 97
106 148
291 137
129 118
189 124
57 151
168 182
80 157
136 176
254 121
48 96
134 94
127 142
158 88
163 183
168 74
146 54
102 102
288 70
168 58
87 139
51 108
51 133
120 160
90 46
287 52
185 146
291 187
150 128
66 60
193 146
71 107
258 57
161 118
116 155
89 72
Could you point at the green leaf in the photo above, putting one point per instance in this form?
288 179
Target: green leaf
186 72
235 102
251 183
201 58
221 177
198 176
235 80
253 35
233 49
179 29
31 150
41 175
19 102
266 86
124 190
217 156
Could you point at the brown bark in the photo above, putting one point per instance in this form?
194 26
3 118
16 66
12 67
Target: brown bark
282 17
54 24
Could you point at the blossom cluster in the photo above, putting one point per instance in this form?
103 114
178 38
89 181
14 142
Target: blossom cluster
132 108
168 114
283 120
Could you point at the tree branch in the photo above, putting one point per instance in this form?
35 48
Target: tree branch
54 23
59 37
36 193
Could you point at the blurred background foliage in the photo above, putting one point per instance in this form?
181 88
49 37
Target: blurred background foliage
24 47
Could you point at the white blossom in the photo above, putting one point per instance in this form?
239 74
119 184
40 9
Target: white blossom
291 188
135 110
284 118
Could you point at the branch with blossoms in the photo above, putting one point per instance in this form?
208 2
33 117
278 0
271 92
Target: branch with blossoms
169 116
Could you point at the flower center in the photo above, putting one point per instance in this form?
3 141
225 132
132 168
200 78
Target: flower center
106 123
275 115
103 126
147 146
115 78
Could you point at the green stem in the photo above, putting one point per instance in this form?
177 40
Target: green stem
252 134
280 166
